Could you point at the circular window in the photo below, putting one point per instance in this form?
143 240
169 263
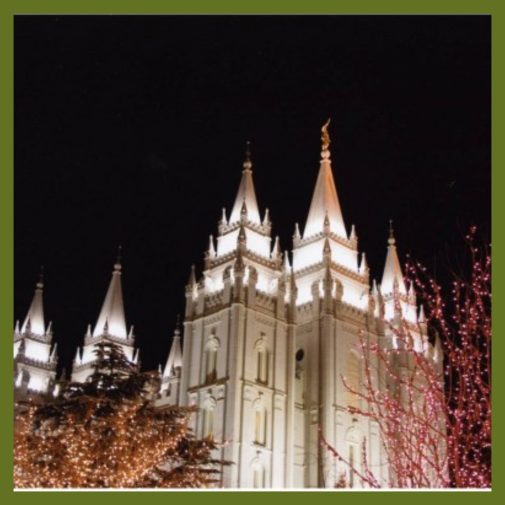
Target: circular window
299 355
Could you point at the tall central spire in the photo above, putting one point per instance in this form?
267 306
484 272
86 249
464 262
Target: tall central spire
112 318
325 200
246 194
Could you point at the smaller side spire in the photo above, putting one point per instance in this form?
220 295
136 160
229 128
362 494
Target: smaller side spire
223 221
353 237
192 276
49 330
174 360
287 266
136 357
53 357
392 278
212 250
363 268
421 318
266 219
78 356
246 193
297 235
112 317
131 334
276 251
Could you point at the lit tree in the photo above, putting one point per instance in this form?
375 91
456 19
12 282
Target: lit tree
434 408
106 433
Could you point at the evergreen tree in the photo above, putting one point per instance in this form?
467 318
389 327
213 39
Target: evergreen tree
106 433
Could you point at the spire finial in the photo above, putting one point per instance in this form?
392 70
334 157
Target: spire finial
247 156
40 283
325 136
177 331
117 265
391 239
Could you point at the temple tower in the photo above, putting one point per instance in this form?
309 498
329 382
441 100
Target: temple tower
34 353
110 326
238 346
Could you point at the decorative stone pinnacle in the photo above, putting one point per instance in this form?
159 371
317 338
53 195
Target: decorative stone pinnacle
266 219
326 223
242 236
243 210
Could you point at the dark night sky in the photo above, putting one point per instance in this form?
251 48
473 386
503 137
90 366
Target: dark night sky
131 130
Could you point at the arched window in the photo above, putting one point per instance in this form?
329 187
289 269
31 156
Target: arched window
353 381
210 359
258 475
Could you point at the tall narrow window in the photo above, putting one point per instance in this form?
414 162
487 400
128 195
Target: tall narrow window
353 380
210 367
351 465
260 425
208 422
262 363
210 359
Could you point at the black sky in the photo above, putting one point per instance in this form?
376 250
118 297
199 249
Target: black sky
131 130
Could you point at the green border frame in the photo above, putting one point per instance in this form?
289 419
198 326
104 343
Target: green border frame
9 8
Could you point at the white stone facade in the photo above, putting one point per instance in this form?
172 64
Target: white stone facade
266 344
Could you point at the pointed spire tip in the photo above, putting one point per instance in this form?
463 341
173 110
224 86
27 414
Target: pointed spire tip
117 265
247 156
391 239
40 283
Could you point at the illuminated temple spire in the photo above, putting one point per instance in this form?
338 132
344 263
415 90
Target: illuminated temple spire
112 318
174 360
34 353
246 194
34 320
392 268
325 199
